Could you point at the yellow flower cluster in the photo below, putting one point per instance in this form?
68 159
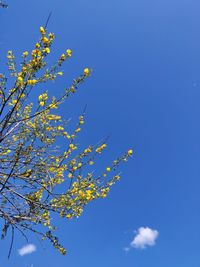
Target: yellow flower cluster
42 30
69 52
42 99
52 117
81 120
10 55
86 72
32 82
64 56
25 54
100 148
130 152
47 166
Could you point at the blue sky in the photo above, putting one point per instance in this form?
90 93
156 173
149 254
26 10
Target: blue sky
145 93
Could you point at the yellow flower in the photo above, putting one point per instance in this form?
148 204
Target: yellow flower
81 121
130 152
53 106
70 175
60 73
10 55
20 79
78 130
117 177
40 97
51 36
91 163
24 69
45 40
32 82
60 128
73 90
47 50
37 45
99 149
108 169
53 117
69 52
86 72
42 103
42 30
25 54
63 57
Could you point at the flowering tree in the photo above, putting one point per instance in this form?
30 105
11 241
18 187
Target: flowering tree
39 179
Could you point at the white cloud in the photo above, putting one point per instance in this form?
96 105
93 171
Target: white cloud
145 237
28 249
126 249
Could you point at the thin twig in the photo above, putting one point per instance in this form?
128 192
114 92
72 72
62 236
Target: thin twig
11 244
47 21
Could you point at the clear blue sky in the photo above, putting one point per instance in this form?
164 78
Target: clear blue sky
145 93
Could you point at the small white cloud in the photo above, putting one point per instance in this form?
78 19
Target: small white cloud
126 249
145 237
28 249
